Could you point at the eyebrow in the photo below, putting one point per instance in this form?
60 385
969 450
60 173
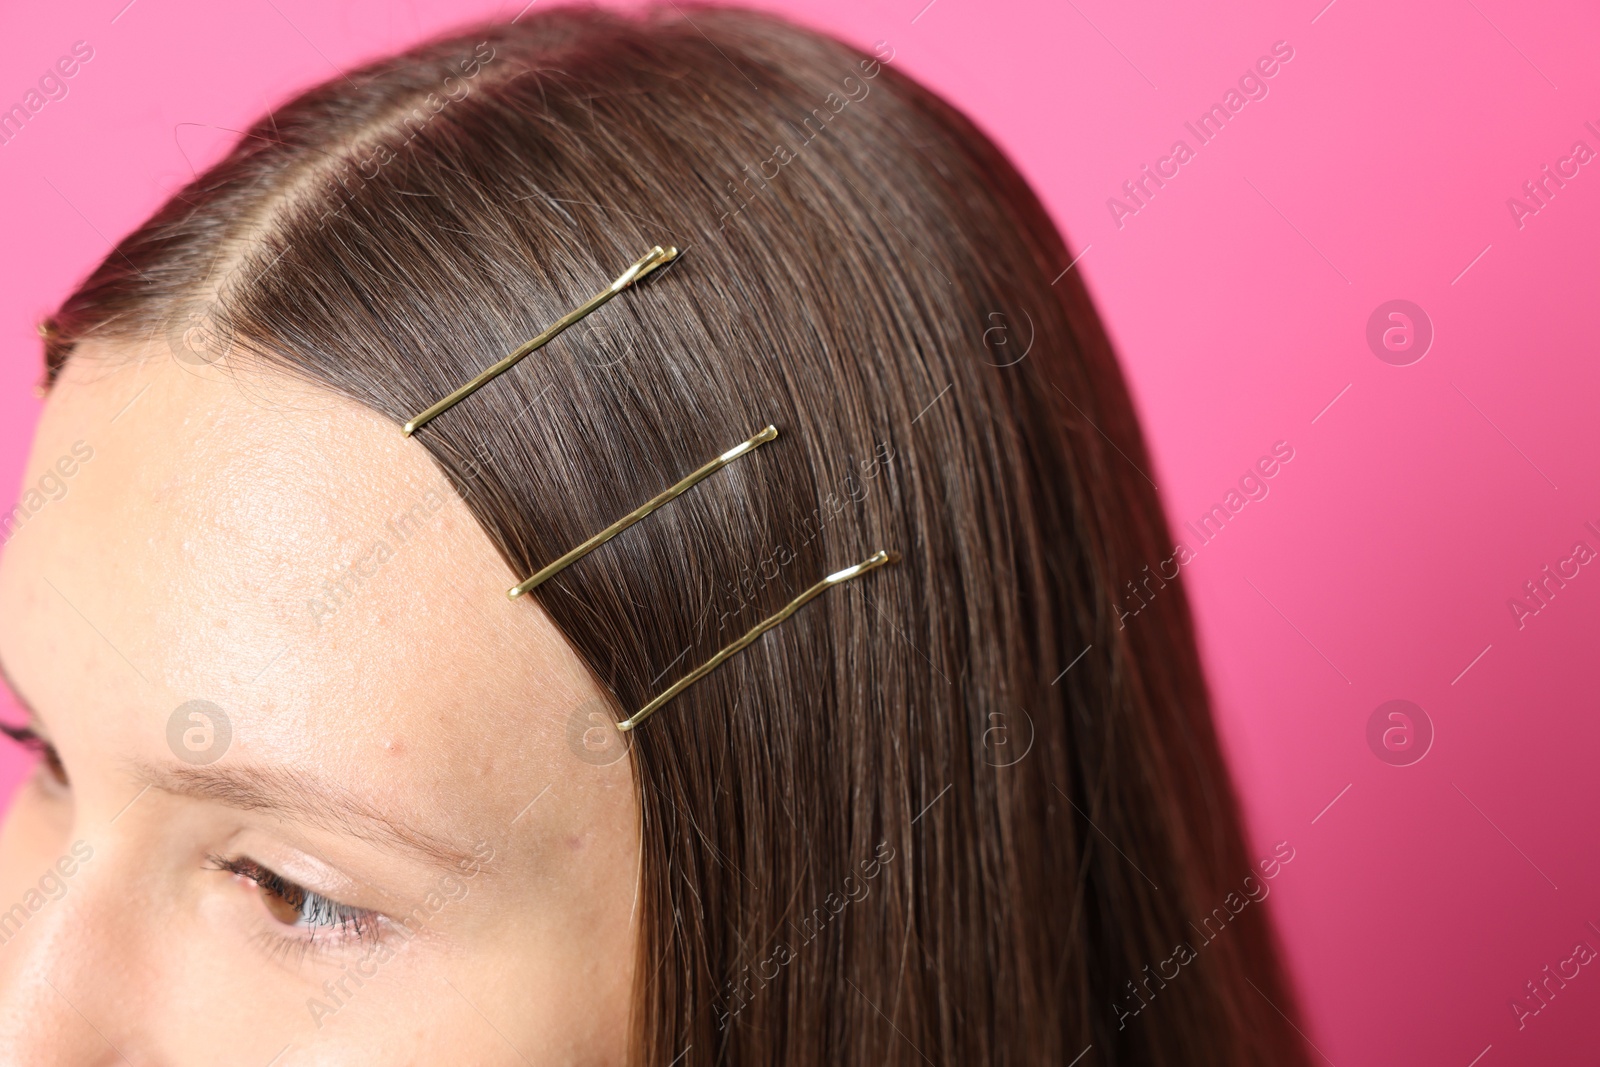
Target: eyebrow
294 795
291 795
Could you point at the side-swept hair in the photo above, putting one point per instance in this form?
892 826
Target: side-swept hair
897 829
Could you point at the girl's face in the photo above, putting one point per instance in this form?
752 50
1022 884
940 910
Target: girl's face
317 792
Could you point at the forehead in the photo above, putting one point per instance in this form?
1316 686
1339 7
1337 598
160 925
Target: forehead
235 537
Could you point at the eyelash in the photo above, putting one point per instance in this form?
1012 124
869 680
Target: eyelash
316 912
31 741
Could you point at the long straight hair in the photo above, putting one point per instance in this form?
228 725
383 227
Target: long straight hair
962 810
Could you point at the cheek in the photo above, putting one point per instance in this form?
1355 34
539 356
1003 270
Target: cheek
538 976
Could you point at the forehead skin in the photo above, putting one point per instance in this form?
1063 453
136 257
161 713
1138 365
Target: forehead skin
293 558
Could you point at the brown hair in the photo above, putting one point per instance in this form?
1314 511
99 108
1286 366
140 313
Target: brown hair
897 828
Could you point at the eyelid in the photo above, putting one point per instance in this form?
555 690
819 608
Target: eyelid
303 870
32 731
24 735
29 737
357 924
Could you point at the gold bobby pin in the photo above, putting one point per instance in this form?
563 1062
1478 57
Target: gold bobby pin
876 560
666 496
656 257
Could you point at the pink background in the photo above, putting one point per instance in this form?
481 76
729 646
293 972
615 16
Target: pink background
1379 566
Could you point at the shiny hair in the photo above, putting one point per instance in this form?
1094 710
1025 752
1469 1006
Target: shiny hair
961 810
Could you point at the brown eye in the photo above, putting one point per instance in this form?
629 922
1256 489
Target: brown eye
296 906
283 900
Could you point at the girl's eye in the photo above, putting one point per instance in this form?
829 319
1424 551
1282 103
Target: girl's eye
48 755
298 908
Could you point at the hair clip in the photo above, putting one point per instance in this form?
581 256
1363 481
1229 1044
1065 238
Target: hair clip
656 257
873 562
665 496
